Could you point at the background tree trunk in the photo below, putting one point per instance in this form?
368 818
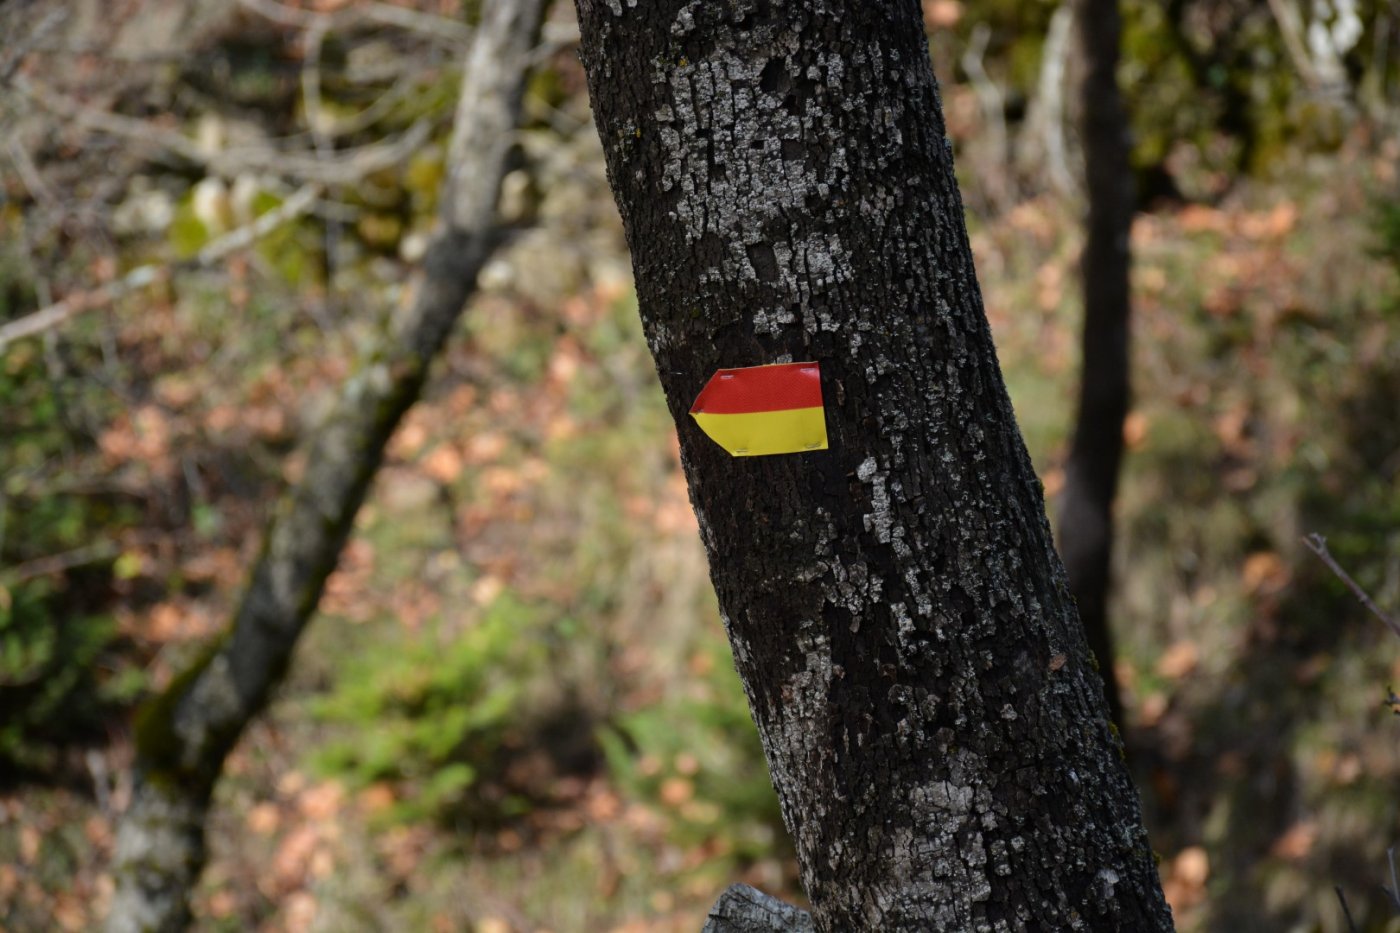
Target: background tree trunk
903 628
183 736
1091 473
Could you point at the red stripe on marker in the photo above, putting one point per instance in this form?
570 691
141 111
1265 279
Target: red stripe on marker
761 388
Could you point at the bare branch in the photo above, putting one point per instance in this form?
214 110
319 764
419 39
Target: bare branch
416 21
1291 29
1318 545
297 204
316 118
993 110
1051 98
342 168
29 173
1346 911
438 27
58 563
19 47
300 202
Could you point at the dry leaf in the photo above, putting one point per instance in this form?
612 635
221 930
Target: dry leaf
322 801
942 14
1264 572
676 791
1198 218
222 904
264 818
377 797
68 913
1191 866
29 841
1134 430
1296 842
603 807
408 440
485 590
1153 708
444 464
300 912
291 859
1179 660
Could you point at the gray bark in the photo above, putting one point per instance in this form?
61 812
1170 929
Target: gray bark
1091 473
934 728
183 736
742 909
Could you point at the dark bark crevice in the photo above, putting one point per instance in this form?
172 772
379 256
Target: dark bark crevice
184 735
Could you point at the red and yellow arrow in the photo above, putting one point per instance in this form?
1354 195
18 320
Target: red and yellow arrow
760 410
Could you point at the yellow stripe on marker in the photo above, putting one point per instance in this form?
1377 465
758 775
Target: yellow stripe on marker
759 433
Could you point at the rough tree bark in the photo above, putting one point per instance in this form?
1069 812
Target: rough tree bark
183 736
902 626
1091 473
742 909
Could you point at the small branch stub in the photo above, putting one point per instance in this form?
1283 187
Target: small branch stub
742 909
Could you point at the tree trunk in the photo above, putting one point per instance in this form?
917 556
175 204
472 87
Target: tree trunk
1091 474
183 736
902 626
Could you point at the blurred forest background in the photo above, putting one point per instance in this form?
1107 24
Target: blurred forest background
516 710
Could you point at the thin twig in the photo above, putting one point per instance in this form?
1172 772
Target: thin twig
993 106
1318 545
1346 911
438 27
300 202
316 120
343 168
1394 890
315 40
14 56
29 174
58 563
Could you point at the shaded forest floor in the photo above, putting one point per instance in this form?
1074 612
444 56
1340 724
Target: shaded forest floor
516 710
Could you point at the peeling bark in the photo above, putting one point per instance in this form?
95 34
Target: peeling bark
903 628
1091 473
183 736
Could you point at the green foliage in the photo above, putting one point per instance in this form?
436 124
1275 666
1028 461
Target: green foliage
1209 83
53 687
697 758
188 234
1387 248
60 675
432 717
